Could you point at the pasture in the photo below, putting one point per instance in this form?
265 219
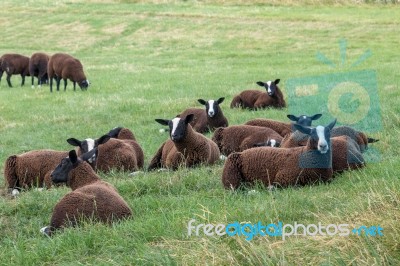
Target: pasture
152 59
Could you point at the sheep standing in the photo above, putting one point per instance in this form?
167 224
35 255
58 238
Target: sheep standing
38 68
255 99
241 137
14 64
64 66
90 197
209 120
358 136
31 169
113 153
283 167
185 147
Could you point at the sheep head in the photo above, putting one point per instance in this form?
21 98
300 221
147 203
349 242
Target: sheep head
270 86
212 106
177 126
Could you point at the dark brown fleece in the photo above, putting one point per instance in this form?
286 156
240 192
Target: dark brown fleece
66 67
282 128
14 64
241 137
276 166
193 150
359 137
202 123
126 133
32 169
38 65
90 198
256 99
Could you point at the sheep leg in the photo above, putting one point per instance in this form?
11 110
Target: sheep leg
8 80
33 85
1 73
58 80
74 85
65 84
23 80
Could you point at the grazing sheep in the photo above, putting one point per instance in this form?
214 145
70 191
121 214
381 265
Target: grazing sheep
241 137
113 153
185 147
255 99
38 68
346 154
64 66
121 133
209 120
31 168
90 198
283 167
360 137
14 64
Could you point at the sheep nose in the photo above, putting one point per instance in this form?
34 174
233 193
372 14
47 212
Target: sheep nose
210 113
323 146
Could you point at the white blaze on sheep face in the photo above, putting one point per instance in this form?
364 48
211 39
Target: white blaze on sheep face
175 123
273 142
322 143
90 146
211 111
269 87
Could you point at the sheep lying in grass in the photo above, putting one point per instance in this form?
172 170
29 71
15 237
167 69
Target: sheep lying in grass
255 99
185 147
31 169
360 137
242 137
121 133
64 66
38 68
283 167
14 64
207 120
90 198
113 153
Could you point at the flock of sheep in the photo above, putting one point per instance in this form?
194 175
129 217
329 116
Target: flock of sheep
275 153
45 68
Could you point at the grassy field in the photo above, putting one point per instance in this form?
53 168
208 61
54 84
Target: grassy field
150 60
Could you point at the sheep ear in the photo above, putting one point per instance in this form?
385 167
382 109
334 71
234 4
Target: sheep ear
302 129
220 100
202 101
72 156
277 81
164 122
371 140
331 125
85 157
260 83
189 118
103 139
74 142
315 117
293 117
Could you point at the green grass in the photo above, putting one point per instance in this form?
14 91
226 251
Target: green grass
152 60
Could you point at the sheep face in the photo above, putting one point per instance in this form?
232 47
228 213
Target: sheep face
270 86
304 120
88 145
84 84
319 136
177 127
269 143
212 107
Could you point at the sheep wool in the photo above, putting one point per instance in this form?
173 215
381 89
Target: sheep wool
14 64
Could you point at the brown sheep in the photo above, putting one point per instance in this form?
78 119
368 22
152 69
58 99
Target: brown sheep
64 66
31 168
14 64
38 68
121 133
359 137
280 166
255 99
185 147
209 119
90 198
242 137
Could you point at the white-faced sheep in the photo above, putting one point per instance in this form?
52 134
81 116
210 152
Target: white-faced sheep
241 137
64 66
283 167
120 154
255 99
185 147
14 64
31 169
90 198
38 68
207 120
359 137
